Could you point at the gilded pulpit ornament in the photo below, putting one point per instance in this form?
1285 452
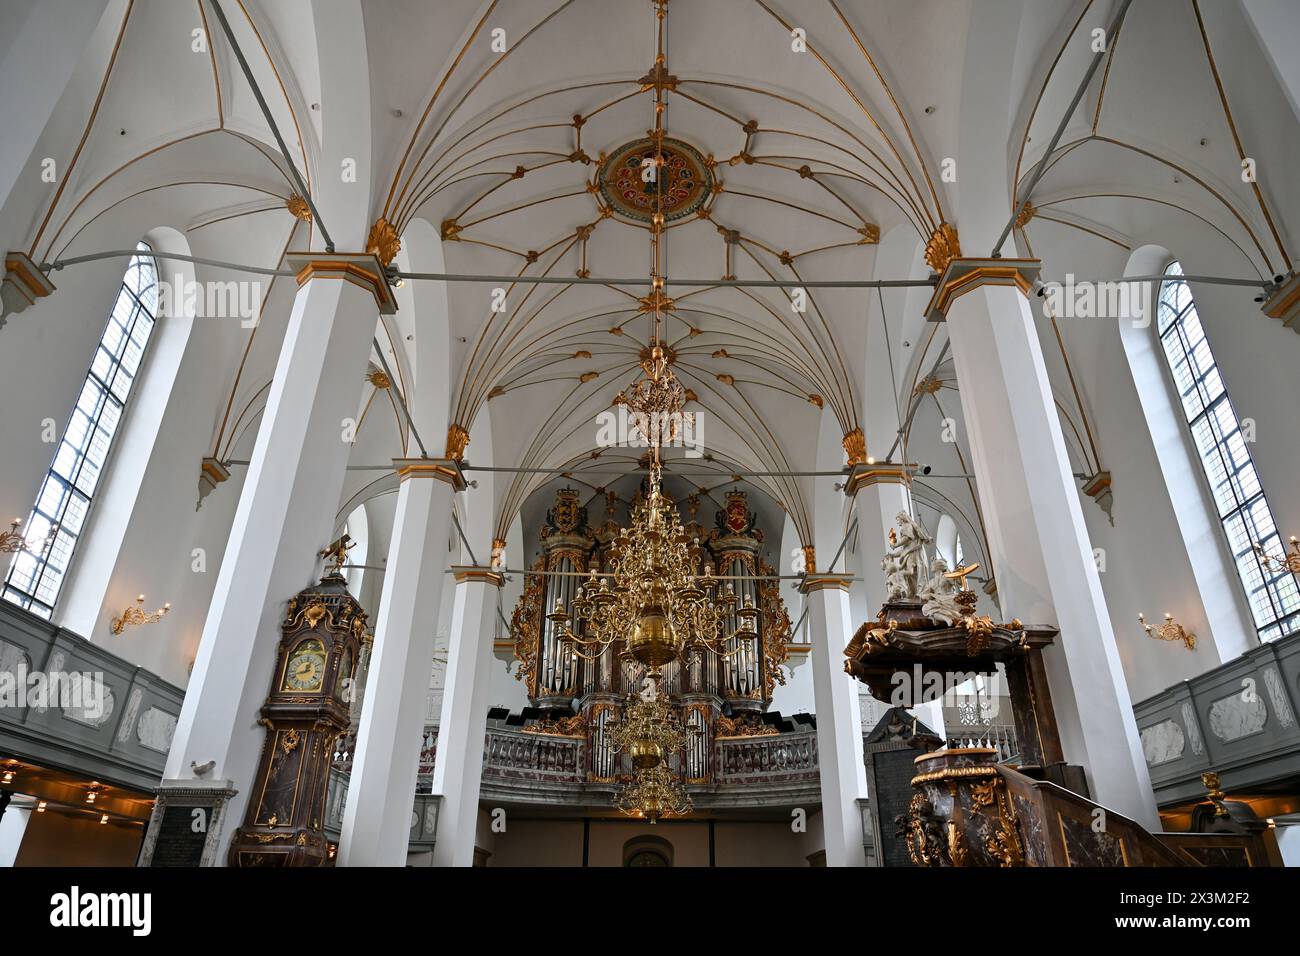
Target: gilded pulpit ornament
943 247
855 446
383 241
299 207
457 439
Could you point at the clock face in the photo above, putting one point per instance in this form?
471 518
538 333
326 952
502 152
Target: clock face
305 670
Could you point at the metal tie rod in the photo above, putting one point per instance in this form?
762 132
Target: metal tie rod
560 280
270 120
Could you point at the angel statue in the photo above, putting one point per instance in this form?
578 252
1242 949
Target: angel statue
939 594
895 581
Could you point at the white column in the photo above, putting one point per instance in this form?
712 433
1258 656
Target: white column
462 725
36 63
839 720
285 514
1041 552
879 493
381 793
13 826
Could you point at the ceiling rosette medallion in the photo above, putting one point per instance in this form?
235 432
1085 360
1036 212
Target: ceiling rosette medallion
687 180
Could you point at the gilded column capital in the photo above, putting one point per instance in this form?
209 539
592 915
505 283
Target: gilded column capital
855 447
442 469
822 582
457 439
965 275
22 285
876 473
362 269
474 573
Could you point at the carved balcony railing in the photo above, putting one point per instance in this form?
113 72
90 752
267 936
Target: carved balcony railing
517 755
1239 719
119 734
772 759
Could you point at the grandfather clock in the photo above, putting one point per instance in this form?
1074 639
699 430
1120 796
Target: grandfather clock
308 708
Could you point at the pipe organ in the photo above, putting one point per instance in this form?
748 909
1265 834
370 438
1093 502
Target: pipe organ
712 692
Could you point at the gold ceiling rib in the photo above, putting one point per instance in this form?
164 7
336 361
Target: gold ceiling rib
433 98
149 189
1163 202
293 114
407 209
889 142
1082 228
212 58
501 58
885 172
846 412
1236 137
85 133
248 346
1033 111
902 117
1105 76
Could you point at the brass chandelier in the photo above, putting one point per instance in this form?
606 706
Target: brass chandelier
655 604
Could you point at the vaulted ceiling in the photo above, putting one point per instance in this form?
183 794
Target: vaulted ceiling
497 140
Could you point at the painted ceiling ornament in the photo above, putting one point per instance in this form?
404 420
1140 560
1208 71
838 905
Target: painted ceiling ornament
939 594
383 241
630 192
298 207
943 247
855 446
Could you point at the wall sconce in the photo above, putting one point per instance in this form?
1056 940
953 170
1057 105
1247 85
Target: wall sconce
93 793
136 614
1289 561
40 807
103 818
13 540
7 775
1169 631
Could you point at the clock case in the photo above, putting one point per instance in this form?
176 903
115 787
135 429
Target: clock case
283 825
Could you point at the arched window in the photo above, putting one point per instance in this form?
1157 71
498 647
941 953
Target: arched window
38 570
1225 457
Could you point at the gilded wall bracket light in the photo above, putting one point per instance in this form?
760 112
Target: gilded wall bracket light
13 540
1170 630
136 615
1289 561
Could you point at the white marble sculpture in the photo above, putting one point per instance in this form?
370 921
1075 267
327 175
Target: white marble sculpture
939 594
904 562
